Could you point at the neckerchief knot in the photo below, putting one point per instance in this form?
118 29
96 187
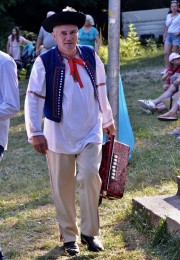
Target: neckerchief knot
74 71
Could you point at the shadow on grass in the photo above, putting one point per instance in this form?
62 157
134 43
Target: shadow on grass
12 211
133 238
155 241
57 252
53 254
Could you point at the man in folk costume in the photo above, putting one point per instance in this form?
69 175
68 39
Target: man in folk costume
67 83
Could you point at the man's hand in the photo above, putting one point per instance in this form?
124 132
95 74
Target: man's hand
39 143
37 52
110 130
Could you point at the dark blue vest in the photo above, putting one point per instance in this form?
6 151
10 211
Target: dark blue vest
55 76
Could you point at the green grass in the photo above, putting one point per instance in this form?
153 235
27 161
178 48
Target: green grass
150 60
28 226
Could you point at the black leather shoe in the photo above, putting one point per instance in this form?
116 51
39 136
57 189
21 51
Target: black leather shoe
93 244
71 248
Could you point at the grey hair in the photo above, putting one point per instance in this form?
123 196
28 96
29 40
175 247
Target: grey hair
90 19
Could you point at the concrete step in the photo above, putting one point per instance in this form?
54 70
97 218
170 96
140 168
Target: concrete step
165 207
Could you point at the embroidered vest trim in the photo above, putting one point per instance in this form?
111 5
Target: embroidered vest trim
55 76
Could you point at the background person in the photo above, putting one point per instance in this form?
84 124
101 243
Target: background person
174 68
176 132
45 40
172 114
9 100
88 34
156 104
149 106
28 55
171 36
68 81
174 1
9 97
14 43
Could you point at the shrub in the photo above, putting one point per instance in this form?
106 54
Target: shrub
5 30
103 53
131 46
151 46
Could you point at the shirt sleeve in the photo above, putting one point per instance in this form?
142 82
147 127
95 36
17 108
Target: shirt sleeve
96 32
34 101
102 91
9 90
21 39
168 20
40 35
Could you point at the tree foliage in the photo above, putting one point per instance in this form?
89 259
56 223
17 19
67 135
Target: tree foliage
4 4
28 15
130 47
6 20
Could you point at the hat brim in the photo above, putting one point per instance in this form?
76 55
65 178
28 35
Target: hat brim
63 18
176 57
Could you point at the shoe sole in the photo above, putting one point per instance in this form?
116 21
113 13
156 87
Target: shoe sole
167 118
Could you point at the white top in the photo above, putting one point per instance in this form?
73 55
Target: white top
9 95
47 38
14 48
82 120
173 23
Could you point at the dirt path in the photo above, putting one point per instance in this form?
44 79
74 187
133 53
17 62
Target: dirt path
155 72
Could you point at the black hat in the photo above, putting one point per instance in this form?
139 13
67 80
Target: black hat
67 16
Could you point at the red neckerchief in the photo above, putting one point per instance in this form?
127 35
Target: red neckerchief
74 71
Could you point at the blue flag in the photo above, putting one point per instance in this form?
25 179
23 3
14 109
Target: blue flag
125 133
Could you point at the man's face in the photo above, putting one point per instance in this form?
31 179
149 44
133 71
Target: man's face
66 37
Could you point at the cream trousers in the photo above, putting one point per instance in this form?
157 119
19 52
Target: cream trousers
62 170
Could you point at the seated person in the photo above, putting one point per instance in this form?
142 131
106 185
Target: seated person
176 131
172 113
174 67
156 104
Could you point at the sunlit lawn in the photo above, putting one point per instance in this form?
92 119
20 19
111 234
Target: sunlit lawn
28 226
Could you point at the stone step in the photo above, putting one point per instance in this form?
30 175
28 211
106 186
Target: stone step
165 207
